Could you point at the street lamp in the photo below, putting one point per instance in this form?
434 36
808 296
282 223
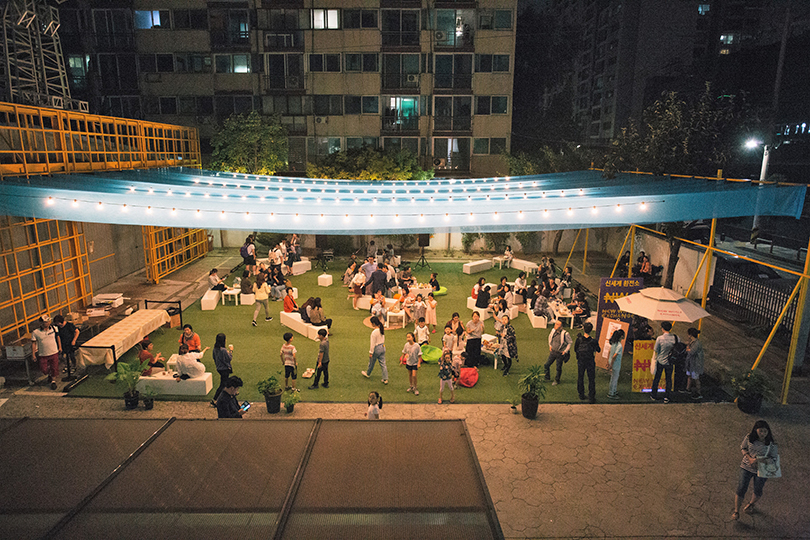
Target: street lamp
763 173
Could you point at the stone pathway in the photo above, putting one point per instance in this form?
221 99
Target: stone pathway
577 471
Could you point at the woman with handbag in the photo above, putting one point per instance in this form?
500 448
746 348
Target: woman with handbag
760 461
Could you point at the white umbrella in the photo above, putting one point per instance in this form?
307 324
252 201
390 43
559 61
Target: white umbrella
660 304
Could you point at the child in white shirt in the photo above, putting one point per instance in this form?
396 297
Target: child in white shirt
422 332
374 406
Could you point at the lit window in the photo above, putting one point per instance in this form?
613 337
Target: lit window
144 20
325 19
703 9
725 51
727 39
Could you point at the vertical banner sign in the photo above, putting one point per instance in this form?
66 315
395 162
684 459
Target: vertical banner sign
642 360
609 290
608 327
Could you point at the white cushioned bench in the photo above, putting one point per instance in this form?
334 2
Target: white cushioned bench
247 299
302 266
526 266
210 300
477 266
537 322
293 321
167 385
364 302
484 313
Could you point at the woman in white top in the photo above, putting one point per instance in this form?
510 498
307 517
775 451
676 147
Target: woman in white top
189 364
508 256
376 350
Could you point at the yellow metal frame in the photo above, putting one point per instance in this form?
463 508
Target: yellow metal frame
41 141
799 290
168 248
45 270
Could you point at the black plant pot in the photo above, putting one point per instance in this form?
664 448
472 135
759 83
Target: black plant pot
290 407
528 406
273 403
131 400
749 403
148 403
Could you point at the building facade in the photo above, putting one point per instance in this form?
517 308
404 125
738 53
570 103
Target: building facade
431 77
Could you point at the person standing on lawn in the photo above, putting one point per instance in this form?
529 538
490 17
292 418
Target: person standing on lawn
474 329
413 354
446 375
376 350
559 345
586 348
289 361
323 360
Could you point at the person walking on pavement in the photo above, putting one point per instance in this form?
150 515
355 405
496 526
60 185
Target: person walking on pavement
663 350
756 446
559 346
586 347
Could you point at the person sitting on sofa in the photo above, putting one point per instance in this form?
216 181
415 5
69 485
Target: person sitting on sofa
154 359
289 301
189 364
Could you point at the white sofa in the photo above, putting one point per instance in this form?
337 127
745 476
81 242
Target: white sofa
168 385
293 321
473 267
302 266
210 300
483 313
537 322
526 266
364 302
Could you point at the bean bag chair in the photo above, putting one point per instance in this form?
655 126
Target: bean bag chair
468 377
441 292
431 354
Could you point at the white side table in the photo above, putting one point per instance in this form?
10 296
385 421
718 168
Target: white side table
232 293
395 315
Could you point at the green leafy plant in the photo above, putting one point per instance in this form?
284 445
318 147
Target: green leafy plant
341 244
467 241
496 241
127 374
533 383
270 386
250 143
749 383
269 240
530 241
290 398
401 241
148 393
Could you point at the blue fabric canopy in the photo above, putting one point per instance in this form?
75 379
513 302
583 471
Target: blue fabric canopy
180 197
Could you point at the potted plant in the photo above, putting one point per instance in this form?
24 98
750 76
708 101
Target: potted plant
148 396
533 385
270 388
513 404
127 375
290 398
748 388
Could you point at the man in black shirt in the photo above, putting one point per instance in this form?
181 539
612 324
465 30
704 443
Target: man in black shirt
227 404
68 334
586 347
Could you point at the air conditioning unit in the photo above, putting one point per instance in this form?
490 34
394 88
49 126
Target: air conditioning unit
321 119
440 35
440 163
413 79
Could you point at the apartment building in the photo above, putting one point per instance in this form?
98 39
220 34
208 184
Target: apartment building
432 77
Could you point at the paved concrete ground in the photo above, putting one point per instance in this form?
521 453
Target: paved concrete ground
578 471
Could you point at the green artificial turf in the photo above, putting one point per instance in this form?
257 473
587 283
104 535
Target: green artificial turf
256 349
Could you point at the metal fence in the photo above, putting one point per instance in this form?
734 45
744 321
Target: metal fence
755 301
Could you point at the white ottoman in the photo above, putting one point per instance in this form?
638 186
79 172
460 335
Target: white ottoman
324 280
247 299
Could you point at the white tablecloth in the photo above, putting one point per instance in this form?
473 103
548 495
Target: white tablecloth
123 336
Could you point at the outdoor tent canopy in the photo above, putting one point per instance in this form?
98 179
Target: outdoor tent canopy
182 197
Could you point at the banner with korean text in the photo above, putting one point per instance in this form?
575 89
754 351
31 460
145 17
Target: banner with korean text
609 290
642 360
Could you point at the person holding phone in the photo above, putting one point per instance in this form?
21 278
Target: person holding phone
227 404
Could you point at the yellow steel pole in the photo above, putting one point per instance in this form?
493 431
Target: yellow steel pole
709 255
776 325
585 253
694 278
571 253
632 251
616 264
794 339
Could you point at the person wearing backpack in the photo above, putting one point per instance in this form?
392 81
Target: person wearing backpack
663 350
248 254
586 347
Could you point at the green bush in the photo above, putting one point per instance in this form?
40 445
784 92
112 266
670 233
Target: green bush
341 244
270 240
467 240
496 241
530 241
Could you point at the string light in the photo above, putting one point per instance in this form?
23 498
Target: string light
49 202
618 208
470 216
124 208
594 210
169 193
643 206
198 212
545 213
570 211
247 215
222 214
100 206
447 217
148 209
520 214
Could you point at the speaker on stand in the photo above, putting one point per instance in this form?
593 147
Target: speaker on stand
424 241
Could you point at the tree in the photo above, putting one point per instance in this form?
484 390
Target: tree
692 135
252 144
369 163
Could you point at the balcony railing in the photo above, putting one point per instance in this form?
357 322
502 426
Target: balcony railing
450 81
396 123
452 123
400 39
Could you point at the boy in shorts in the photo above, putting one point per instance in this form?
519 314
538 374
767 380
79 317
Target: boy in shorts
290 362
